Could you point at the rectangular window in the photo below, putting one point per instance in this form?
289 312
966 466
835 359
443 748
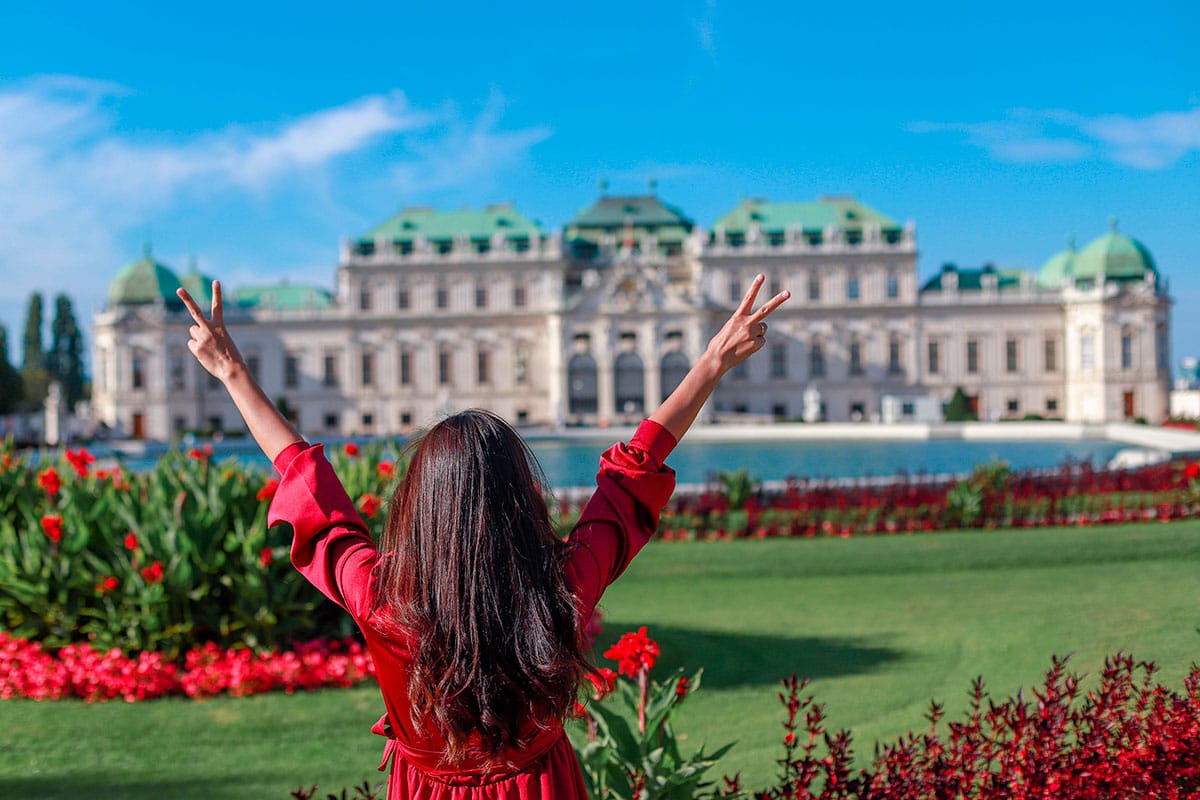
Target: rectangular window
364 300
735 290
1013 405
482 363
894 365
139 371
442 297
406 418
856 367
291 371
778 361
972 356
1010 355
814 287
935 364
480 296
402 298
852 288
329 377
1050 355
368 368
1051 405
444 368
178 372
1087 352
774 287
368 420
331 421
520 296
1126 350
522 364
816 360
405 368
893 287
254 367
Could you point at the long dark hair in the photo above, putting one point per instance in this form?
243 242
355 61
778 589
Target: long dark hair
471 571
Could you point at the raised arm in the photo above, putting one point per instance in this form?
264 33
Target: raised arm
213 347
742 336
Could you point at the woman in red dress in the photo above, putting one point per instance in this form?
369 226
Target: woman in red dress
470 606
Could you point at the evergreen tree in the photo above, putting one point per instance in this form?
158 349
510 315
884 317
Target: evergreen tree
33 362
64 360
959 408
12 389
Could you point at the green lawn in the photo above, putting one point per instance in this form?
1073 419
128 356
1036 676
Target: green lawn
882 625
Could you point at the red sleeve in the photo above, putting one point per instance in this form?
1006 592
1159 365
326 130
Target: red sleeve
632 487
331 548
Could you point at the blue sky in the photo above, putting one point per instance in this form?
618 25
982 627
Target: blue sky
252 137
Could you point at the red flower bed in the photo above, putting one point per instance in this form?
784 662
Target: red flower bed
79 670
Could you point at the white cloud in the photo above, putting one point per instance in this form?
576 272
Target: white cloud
1152 142
74 185
705 29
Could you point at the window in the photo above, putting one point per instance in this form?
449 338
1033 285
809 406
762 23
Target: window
402 298
329 376
894 365
139 371
444 365
935 365
522 416
1164 354
368 420
331 421
972 356
856 367
1050 354
521 365
908 409
735 290
893 287
1013 405
852 287
405 368
1051 405
442 297
672 370
1087 352
178 371
814 287
291 371
774 287
629 384
1126 350
520 296
779 361
254 367
816 359
480 295
406 418
779 410
368 368
481 366
1010 355
364 299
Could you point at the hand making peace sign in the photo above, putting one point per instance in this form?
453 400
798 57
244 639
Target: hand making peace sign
211 343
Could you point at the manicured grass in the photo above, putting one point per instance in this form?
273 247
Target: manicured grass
882 625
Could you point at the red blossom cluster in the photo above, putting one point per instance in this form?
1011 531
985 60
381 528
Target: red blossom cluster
80 460
79 670
634 652
1129 737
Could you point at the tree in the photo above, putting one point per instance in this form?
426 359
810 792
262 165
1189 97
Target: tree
959 408
33 361
64 359
12 388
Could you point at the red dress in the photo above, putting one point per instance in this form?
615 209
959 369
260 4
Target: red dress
333 550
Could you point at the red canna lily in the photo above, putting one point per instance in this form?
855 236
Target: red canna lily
49 481
153 573
52 527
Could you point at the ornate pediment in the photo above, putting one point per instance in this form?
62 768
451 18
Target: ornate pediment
628 287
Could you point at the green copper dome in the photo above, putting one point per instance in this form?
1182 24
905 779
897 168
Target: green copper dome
1058 268
1115 257
144 282
199 286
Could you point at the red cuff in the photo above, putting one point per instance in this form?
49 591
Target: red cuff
654 440
288 455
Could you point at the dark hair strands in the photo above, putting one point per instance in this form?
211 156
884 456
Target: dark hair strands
471 568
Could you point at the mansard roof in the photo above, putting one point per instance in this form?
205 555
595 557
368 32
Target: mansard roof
283 296
640 211
971 280
844 212
436 225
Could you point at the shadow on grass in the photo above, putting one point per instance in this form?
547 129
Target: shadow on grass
736 660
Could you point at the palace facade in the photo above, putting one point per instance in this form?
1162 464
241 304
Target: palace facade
593 324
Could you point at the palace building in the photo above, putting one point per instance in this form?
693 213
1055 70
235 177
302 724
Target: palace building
593 324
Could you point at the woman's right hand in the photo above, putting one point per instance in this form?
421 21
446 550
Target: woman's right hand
211 343
744 333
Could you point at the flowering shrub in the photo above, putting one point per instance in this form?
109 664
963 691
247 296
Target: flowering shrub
79 670
162 560
1128 737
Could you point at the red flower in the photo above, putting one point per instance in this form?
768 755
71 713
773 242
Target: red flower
634 652
202 455
368 504
131 541
681 688
268 490
52 527
264 556
48 479
109 584
351 449
1192 471
603 682
386 470
153 573
80 459
789 739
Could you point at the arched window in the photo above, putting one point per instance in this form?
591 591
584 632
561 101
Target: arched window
582 390
629 384
671 371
